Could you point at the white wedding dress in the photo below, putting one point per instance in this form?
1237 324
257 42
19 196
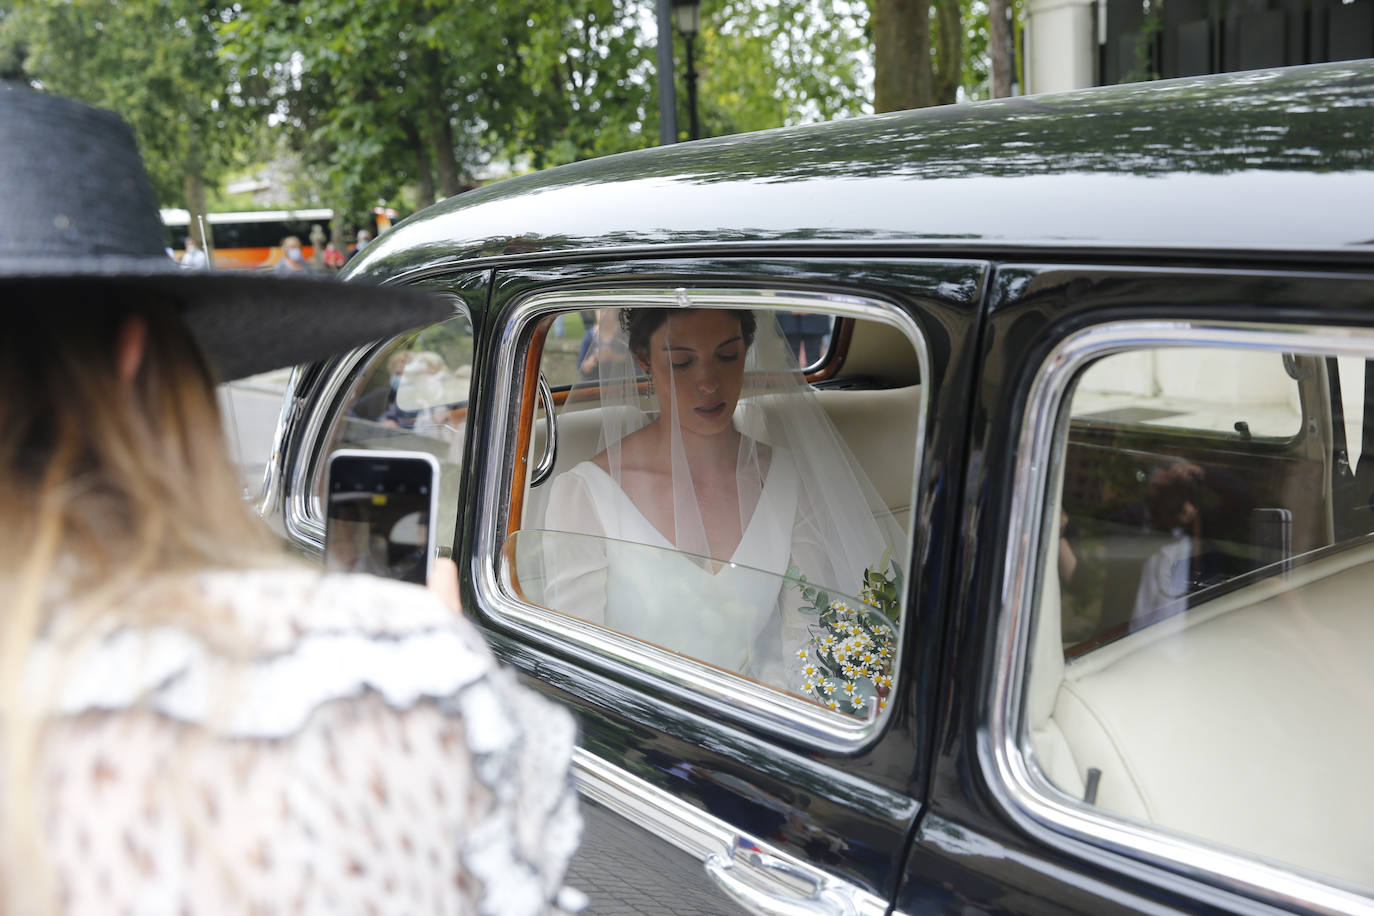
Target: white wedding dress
803 502
605 562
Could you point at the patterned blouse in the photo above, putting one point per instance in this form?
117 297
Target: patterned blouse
349 747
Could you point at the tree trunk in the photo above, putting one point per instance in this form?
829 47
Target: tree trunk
194 187
903 77
999 48
439 129
948 64
423 172
441 137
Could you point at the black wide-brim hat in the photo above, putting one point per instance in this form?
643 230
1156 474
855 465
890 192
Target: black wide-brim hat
78 209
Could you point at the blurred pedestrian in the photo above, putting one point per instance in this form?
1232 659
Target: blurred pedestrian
317 240
194 256
333 257
191 721
292 259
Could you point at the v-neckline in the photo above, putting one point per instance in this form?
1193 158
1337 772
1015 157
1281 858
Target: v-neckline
668 544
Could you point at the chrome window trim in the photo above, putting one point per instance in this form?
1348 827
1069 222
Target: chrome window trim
270 497
687 679
303 516
1015 780
304 520
695 832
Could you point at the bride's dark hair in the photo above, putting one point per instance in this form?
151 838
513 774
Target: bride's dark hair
639 324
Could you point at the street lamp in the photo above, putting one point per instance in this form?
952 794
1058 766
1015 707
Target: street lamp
687 18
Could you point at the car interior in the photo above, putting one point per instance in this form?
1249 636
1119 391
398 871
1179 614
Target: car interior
1220 687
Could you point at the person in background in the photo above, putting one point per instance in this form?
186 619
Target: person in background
194 256
364 238
603 350
292 259
317 241
191 720
333 257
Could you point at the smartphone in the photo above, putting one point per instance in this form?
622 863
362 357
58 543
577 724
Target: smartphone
380 509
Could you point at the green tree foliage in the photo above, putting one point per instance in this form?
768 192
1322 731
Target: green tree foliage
578 81
976 79
358 90
394 92
404 101
156 62
770 63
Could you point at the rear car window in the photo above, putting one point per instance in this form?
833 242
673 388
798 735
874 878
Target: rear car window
1202 661
411 394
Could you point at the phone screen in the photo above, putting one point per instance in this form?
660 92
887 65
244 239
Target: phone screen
379 513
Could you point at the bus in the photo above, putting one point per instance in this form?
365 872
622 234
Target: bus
251 240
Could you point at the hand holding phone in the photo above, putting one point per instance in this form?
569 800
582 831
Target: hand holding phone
380 513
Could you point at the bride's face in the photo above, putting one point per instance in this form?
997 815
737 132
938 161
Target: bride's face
698 356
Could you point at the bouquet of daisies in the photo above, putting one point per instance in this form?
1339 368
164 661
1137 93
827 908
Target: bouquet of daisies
847 665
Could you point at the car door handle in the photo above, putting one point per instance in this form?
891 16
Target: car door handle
742 873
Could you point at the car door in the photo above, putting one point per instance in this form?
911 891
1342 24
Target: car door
704 790
1169 461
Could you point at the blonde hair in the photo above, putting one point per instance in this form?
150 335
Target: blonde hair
106 485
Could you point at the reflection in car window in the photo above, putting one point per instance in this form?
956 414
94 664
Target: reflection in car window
1204 648
705 502
412 395
1226 391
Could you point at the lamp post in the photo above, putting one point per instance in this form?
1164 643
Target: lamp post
687 18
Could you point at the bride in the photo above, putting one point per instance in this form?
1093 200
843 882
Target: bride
681 531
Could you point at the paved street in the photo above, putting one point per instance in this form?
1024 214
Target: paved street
626 870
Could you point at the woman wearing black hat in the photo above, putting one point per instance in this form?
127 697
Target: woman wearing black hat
192 722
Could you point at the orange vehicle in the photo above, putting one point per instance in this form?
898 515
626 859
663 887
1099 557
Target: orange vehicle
251 240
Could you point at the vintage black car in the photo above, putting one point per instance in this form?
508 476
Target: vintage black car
1108 356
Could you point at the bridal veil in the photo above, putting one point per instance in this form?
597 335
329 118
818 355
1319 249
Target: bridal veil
806 507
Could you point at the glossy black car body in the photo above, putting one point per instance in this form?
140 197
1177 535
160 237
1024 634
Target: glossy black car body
999 229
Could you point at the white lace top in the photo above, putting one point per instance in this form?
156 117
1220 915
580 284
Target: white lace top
365 755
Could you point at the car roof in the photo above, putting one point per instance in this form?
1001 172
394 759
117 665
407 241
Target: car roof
1261 162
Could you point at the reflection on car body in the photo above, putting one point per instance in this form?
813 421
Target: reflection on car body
1101 355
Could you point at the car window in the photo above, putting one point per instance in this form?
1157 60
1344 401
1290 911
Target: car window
806 601
410 394
1203 657
1166 442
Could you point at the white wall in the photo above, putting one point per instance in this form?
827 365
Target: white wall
1061 47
